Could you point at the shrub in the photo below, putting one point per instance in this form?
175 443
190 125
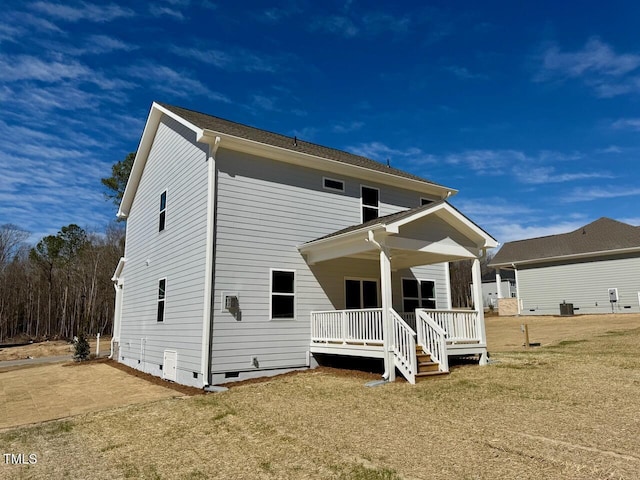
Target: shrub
81 348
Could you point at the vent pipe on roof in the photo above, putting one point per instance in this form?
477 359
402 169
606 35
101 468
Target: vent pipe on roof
295 141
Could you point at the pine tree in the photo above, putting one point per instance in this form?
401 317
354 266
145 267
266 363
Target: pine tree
82 349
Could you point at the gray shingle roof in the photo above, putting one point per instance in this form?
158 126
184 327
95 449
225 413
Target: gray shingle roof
379 221
601 235
216 124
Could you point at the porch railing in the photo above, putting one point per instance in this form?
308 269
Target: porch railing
404 347
432 339
347 326
459 325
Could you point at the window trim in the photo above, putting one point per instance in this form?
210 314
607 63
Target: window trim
163 300
271 293
162 222
419 297
363 206
362 279
324 184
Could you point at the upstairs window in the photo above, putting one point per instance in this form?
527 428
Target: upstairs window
418 294
162 286
163 211
370 200
283 293
332 184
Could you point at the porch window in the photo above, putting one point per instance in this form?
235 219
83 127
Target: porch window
418 294
370 200
360 293
162 286
283 293
163 211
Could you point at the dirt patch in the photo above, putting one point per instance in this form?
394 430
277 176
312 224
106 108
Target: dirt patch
185 390
52 348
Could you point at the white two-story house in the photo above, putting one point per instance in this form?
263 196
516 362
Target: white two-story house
250 253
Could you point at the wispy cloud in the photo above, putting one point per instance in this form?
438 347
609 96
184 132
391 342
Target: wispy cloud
347 127
160 11
597 64
381 152
173 82
233 59
626 124
83 12
26 67
546 175
600 193
464 73
336 24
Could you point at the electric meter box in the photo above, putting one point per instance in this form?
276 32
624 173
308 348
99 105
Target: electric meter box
613 295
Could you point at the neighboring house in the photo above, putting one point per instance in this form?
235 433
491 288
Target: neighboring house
594 269
250 253
490 292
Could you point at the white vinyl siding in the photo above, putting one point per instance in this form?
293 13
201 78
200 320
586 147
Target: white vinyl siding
584 284
265 209
176 164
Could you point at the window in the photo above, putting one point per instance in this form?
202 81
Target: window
360 293
418 294
370 199
331 184
163 211
283 294
425 201
162 286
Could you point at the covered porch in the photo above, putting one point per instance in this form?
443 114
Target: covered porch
416 341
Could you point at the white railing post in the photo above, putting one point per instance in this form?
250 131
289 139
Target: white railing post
344 326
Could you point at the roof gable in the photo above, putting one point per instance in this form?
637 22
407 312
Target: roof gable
210 129
601 236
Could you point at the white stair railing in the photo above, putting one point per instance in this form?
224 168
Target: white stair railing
432 339
459 325
404 347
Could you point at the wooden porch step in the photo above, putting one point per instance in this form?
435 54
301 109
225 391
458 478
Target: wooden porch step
425 375
428 367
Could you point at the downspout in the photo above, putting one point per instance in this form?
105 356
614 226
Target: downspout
207 317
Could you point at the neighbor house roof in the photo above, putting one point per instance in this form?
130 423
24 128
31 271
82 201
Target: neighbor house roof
217 124
599 237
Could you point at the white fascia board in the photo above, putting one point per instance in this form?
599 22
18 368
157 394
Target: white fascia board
119 268
299 158
344 237
144 147
447 212
575 256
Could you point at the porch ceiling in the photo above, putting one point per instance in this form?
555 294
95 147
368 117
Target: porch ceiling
421 236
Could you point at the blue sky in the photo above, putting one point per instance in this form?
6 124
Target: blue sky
532 112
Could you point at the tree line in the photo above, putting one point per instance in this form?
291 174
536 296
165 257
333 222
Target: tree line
61 286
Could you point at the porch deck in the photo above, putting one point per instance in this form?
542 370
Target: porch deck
438 333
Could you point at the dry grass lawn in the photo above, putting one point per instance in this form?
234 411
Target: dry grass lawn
568 410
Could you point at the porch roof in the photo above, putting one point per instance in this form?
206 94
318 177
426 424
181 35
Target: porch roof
432 233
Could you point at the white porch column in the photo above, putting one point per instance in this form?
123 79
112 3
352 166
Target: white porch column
515 270
499 283
387 328
476 278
